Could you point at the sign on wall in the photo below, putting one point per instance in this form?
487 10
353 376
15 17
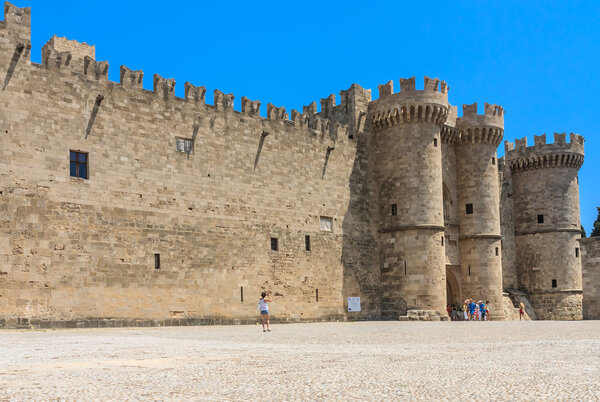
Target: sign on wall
354 304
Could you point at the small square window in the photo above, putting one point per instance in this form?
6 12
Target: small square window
326 223
156 261
78 164
307 243
576 251
184 145
553 283
540 218
394 209
274 244
469 208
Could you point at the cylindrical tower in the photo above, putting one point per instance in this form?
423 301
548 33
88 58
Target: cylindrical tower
479 205
547 223
407 163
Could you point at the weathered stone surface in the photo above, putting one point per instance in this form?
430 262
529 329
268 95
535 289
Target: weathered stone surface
590 252
182 201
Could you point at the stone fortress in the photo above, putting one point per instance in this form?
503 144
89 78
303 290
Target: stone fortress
124 206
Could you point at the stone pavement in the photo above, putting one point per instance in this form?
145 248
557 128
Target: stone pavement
332 361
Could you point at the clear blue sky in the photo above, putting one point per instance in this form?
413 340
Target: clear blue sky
540 60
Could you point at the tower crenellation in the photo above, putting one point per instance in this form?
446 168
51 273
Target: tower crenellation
542 154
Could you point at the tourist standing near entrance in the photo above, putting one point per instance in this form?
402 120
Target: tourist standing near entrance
481 311
264 310
521 311
487 310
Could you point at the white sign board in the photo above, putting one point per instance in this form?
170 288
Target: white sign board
354 304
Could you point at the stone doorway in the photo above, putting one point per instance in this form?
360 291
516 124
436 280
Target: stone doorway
452 288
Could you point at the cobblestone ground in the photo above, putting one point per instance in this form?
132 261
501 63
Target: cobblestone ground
343 361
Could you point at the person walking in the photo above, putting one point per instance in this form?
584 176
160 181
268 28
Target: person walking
264 310
482 310
487 310
521 311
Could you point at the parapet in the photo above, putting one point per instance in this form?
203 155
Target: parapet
17 23
222 100
75 48
410 105
164 88
130 78
493 116
250 107
545 155
487 128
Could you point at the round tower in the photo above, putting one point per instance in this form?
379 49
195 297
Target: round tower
407 163
479 205
547 223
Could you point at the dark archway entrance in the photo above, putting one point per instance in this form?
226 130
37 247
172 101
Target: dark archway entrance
452 289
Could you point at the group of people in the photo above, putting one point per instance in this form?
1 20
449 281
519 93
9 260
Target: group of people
470 311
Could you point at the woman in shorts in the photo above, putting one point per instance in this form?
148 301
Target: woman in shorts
264 310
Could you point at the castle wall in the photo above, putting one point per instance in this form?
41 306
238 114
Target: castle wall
590 252
450 197
72 248
547 228
507 227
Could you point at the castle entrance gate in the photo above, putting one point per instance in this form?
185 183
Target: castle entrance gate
452 288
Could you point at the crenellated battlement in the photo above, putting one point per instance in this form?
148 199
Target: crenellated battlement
487 128
519 156
429 105
493 116
17 23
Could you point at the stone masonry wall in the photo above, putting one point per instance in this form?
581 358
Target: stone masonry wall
72 248
590 252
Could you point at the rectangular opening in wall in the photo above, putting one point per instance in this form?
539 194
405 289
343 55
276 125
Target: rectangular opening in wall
497 251
469 270
553 283
184 145
435 142
540 218
469 208
274 244
241 294
156 261
577 252
317 295
394 209
307 243
78 164
326 223
442 240
493 160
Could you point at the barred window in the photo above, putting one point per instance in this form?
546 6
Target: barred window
78 164
184 145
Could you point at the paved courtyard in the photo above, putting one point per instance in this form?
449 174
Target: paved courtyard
332 361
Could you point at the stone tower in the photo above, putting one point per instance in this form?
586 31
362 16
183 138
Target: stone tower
546 219
478 204
408 169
